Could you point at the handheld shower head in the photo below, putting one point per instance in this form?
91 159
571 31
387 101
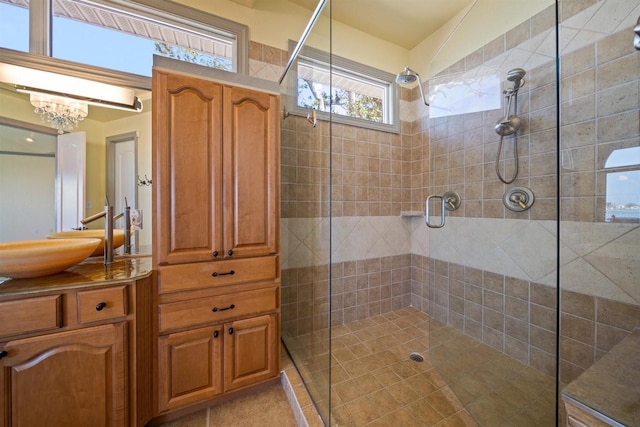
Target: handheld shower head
516 76
409 76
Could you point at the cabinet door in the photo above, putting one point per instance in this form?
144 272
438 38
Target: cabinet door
190 367
251 351
75 378
187 152
251 160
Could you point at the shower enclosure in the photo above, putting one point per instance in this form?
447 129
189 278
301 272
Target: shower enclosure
533 278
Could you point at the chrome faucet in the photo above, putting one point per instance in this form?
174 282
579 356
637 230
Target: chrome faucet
126 213
108 228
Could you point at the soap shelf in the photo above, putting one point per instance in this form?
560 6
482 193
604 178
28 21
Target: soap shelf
411 214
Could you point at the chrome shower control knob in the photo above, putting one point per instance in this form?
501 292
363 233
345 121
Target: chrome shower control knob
452 200
518 199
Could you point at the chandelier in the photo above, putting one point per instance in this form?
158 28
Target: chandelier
60 113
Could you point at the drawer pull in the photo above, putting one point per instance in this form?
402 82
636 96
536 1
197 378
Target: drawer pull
100 306
216 274
216 334
3 353
216 309
230 331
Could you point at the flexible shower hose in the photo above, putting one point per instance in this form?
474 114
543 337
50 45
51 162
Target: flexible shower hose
515 158
515 150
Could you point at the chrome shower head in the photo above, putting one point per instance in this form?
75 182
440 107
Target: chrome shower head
516 76
406 77
409 76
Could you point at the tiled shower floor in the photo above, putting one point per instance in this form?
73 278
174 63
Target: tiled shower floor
375 382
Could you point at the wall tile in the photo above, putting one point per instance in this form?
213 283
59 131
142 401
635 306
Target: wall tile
542 317
578 329
578 304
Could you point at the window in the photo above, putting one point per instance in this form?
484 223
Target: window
14 25
623 185
354 93
124 35
464 95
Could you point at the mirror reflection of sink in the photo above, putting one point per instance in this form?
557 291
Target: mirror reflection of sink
35 258
118 238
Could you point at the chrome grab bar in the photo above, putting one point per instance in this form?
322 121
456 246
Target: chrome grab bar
449 201
427 216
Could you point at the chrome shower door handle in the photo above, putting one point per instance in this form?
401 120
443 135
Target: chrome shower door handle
427 214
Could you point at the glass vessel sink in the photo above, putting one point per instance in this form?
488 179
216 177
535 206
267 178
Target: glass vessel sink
118 238
35 258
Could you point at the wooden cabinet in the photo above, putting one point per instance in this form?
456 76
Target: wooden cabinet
216 239
216 170
191 362
75 378
249 351
74 357
190 366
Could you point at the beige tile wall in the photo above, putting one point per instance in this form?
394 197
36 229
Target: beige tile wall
599 113
518 317
377 174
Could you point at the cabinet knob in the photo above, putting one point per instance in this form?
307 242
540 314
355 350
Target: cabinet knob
216 334
230 252
3 353
230 331
215 254
100 306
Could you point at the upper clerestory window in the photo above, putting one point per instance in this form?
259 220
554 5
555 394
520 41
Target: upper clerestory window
124 35
355 94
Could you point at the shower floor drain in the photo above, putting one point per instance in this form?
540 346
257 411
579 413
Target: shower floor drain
416 357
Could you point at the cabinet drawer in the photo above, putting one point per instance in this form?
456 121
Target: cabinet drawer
101 304
181 277
30 315
202 311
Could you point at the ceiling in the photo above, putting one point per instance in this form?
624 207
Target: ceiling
405 23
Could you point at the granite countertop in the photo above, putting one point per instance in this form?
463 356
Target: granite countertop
90 272
610 388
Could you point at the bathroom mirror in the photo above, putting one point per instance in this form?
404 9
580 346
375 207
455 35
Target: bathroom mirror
23 131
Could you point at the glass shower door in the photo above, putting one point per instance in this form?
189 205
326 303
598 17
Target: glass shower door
492 268
305 224
599 205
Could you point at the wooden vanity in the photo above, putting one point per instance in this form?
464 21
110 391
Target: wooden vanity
75 346
145 340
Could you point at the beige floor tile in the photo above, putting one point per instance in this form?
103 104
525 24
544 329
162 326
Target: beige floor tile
384 402
198 419
401 417
461 383
363 411
424 413
421 384
459 419
348 391
445 403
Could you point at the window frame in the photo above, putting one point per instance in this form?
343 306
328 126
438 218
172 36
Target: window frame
334 62
163 11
